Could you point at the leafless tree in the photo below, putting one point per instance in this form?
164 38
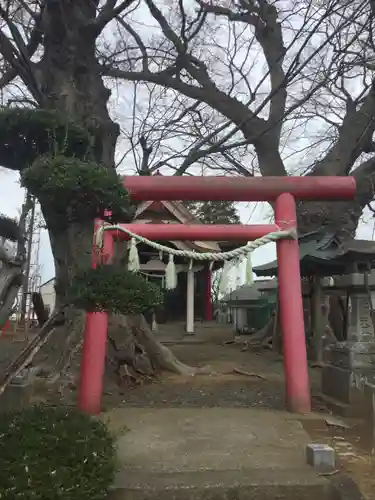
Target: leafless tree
272 77
164 130
50 60
277 71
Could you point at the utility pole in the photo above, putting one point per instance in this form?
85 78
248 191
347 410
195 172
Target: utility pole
26 276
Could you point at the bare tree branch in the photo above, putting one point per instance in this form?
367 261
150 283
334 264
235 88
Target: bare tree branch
355 138
264 18
110 12
257 78
218 99
20 62
263 133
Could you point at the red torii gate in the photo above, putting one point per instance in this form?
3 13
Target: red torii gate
282 191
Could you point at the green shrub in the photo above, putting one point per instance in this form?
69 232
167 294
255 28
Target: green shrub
28 133
114 289
80 189
9 228
55 453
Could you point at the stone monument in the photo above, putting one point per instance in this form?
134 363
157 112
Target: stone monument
350 365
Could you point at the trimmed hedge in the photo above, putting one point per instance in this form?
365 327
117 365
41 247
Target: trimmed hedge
9 228
28 133
114 289
80 190
49 453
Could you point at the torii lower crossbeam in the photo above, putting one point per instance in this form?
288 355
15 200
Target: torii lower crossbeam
282 191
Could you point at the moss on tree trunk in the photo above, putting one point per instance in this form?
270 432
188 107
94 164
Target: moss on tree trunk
137 350
69 81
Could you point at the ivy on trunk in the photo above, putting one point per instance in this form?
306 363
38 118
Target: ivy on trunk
67 83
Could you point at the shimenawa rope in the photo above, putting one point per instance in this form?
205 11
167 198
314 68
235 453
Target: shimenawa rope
170 270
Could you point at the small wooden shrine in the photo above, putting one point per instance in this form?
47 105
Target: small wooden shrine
191 300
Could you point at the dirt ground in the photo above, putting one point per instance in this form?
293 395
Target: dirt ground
351 448
263 387
220 386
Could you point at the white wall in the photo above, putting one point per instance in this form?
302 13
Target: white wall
47 291
240 318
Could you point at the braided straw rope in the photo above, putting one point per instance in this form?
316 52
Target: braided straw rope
211 256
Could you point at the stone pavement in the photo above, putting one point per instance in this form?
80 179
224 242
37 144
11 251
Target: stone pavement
212 454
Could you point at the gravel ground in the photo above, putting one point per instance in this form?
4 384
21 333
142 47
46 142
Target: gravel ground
223 388
263 389
238 393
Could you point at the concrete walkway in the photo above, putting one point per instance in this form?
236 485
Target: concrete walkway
212 453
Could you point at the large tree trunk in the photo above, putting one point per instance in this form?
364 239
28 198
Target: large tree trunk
137 348
69 79
339 217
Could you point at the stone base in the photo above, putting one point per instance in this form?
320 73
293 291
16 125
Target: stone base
341 409
353 355
346 386
350 367
19 392
370 415
15 397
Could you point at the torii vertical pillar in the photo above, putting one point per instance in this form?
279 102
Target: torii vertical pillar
297 385
94 345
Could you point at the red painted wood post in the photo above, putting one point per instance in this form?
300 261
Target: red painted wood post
5 327
94 346
92 363
297 384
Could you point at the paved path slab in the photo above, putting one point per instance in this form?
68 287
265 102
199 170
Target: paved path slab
212 453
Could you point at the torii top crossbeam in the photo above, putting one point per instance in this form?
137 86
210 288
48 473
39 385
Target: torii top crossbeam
221 188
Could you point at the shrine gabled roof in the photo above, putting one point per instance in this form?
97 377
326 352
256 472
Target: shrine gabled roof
183 216
321 253
244 292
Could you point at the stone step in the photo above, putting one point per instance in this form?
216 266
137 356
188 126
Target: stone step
205 325
255 484
199 328
342 409
18 331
